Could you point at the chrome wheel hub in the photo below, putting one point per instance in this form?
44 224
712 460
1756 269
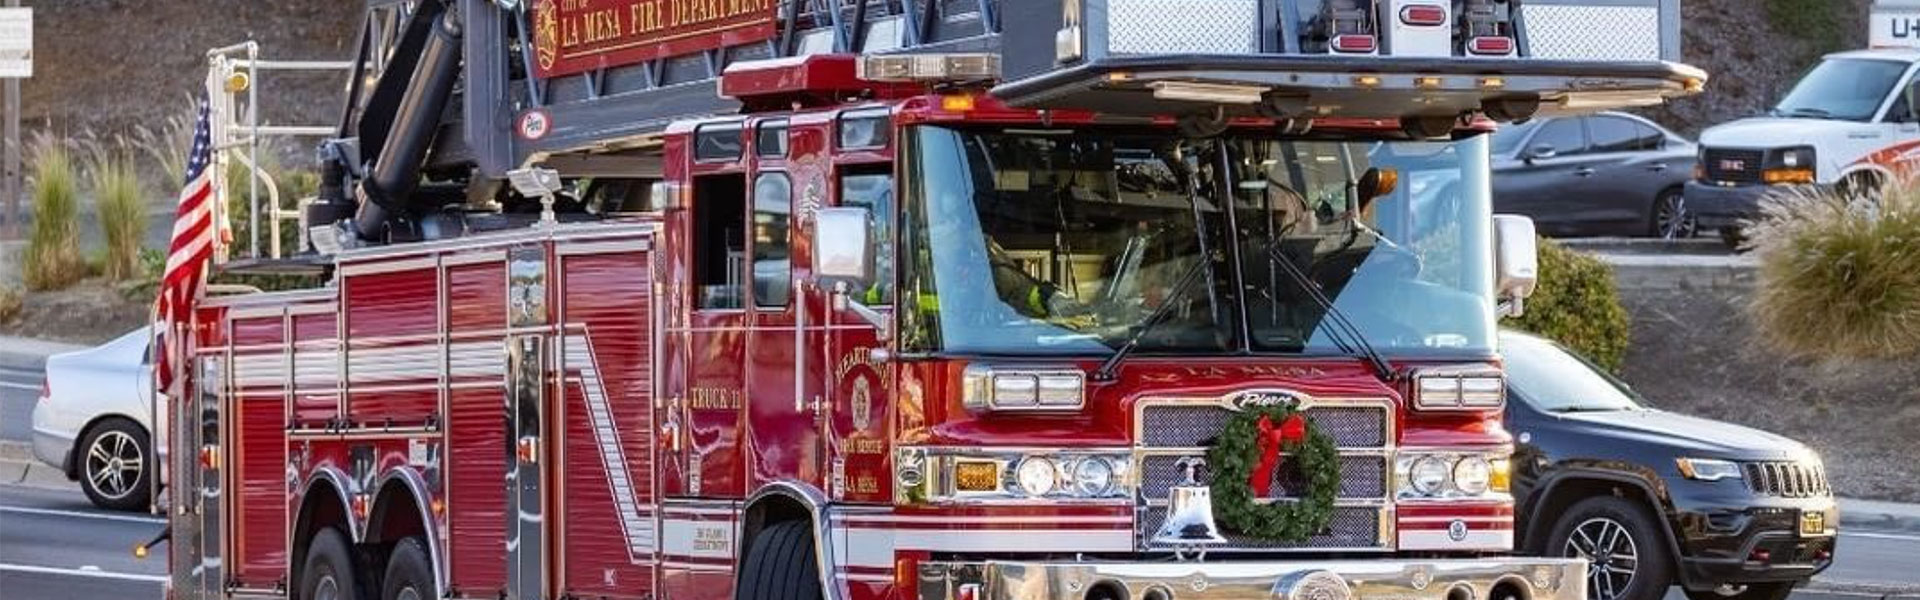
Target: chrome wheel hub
1612 556
114 464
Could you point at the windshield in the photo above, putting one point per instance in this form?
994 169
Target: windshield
1062 242
1551 379
1844 88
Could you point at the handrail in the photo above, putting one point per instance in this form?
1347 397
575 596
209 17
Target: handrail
237 131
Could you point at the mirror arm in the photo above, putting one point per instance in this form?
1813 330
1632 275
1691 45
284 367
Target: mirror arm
843 301
1511 307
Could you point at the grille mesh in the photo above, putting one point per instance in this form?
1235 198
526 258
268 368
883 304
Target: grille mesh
1786 479
1350 527
1360 477
1188 426
1719 163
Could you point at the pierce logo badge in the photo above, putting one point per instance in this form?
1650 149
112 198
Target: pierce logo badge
534 124
1266 399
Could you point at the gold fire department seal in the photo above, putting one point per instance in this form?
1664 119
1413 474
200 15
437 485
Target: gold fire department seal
862 404
546 34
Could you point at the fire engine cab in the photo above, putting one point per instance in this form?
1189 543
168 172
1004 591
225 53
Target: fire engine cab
902 299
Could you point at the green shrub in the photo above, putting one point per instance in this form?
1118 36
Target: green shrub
52 259
122 213
1577 304
1839 279
10 304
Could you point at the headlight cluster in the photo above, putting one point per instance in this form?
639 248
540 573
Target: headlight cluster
1707 469
1789 166
965 475
1451 389
1450 475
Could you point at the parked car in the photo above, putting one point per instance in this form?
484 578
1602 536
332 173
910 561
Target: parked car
1656 498
92 420
1605 174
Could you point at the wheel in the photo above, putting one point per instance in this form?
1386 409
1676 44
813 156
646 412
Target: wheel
1734 238
1627 556
780 565
1669 218
1778 590
113 465
409 574
329 573
1860 187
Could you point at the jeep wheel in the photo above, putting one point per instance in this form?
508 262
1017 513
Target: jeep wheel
1752 591
113 465
1627 558
780 565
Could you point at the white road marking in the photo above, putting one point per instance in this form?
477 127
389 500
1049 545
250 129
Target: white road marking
81 572
20 386
1881 536
83 515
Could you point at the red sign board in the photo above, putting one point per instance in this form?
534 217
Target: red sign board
571 36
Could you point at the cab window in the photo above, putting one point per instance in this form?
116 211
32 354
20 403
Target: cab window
719 240
871 187
772 265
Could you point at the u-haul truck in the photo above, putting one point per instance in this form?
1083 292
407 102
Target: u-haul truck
1850 122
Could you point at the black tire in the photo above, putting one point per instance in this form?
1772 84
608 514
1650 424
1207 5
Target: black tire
1592 528
113 465
1668 218
409 573
1778 590
329 572
780 565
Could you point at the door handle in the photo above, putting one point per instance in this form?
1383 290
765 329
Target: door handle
1583 172
1657 167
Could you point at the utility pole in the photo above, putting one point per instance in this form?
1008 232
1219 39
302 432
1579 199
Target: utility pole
10 164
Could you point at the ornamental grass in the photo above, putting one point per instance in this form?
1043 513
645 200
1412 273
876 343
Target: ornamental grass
1839 279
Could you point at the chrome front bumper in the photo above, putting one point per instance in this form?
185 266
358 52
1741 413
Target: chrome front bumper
1385 578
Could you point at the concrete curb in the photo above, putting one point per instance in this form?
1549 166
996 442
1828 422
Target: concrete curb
29 353
17 467
1879 516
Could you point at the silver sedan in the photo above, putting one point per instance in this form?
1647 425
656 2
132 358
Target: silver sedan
92 420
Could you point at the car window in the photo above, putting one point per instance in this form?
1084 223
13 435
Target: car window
1508 138
1552 379
1614 134
1651 138
1565 136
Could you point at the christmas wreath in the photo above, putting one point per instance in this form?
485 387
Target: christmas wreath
1244 459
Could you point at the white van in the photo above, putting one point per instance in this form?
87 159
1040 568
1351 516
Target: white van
1850 122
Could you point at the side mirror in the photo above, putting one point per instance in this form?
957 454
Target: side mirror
840 251
1541 152
1516 262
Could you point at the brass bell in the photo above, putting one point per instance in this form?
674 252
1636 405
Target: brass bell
1189 511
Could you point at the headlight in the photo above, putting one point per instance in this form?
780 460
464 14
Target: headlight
1472 474
1707 469
1037 476
1429 475
987 388
1093 477
1459 389
1793 158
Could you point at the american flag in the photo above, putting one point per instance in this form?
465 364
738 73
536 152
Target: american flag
194 235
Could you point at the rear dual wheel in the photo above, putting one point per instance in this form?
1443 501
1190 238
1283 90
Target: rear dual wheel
332 573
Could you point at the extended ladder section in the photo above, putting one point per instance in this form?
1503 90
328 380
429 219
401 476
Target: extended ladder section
463 91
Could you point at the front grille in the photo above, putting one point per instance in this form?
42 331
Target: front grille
1786 479
1172 431
1735 166
1351 528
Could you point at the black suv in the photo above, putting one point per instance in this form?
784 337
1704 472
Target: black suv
1655 498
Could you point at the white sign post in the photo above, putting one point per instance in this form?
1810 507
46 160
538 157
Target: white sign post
16 63
16 43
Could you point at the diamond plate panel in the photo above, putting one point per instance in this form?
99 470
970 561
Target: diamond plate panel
1585 32
1352 527
1187 426
1183 26
1361 477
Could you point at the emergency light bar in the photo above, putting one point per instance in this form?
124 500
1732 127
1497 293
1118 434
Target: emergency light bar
898 68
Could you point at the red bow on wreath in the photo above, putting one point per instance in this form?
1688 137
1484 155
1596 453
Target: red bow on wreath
1290 433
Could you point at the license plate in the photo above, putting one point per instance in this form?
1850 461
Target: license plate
1813 523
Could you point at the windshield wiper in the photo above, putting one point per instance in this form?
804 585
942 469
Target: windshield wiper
1342 325
1808 111
1108 368
1587 409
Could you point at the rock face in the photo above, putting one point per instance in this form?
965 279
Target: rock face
1751 56
107 65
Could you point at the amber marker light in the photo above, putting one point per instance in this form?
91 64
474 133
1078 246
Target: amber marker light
1366 81
976 476
956 103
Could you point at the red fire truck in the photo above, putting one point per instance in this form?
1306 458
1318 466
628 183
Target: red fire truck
905 299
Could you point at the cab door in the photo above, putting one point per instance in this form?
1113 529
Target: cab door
858 381
781 403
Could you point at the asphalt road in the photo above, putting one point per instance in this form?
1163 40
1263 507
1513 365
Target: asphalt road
53 545
19 388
